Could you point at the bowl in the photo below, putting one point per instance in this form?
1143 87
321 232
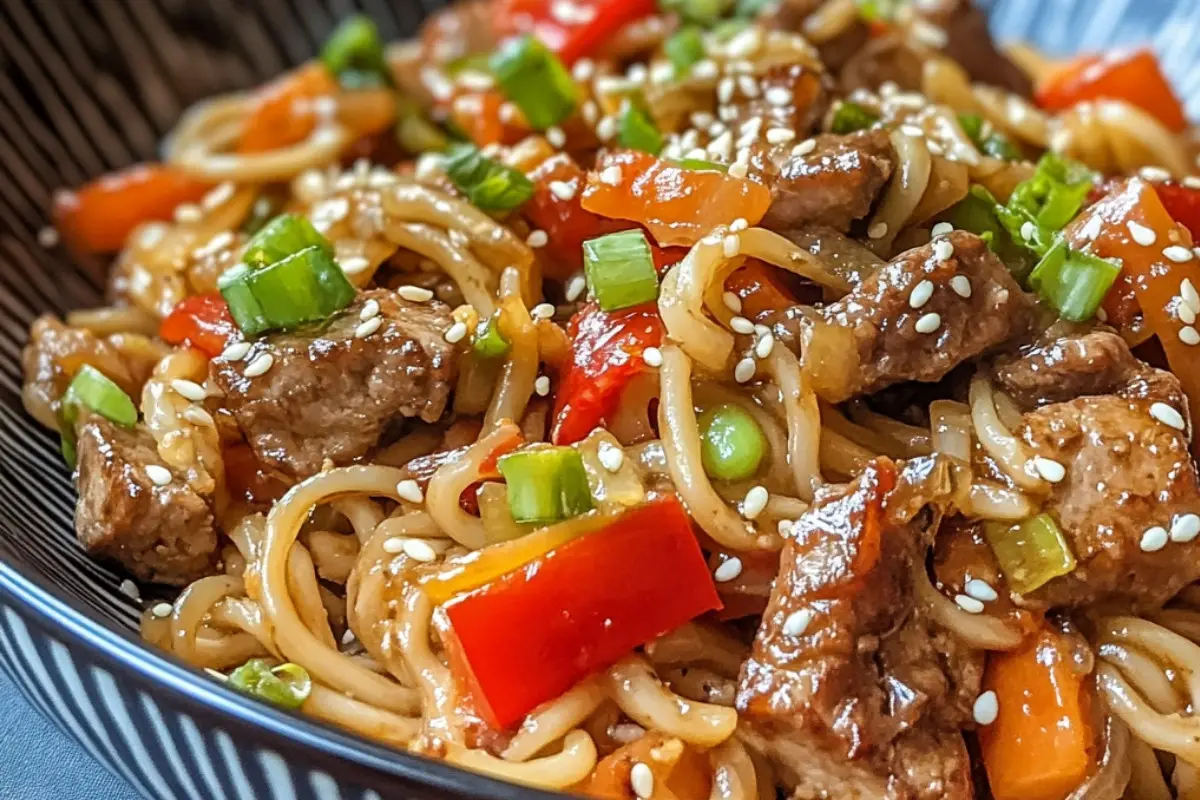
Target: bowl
94 85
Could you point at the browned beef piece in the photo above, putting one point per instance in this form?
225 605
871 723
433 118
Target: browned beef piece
330 394
969 43
162 534
834 185
460 29
867 698
895 342
809 101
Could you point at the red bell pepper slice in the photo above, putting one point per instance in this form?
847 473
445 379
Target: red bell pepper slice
577 609
1134 78
1182 203
202 321
606 354
566 223
593 23
99 217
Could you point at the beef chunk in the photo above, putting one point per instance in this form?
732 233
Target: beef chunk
864 698
878 323
331 394
834 185
969 43
162 534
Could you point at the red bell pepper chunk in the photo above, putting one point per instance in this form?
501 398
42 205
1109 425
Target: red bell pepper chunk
202 321
566 223
1134 78
577 610
606 354
1182 203
594 23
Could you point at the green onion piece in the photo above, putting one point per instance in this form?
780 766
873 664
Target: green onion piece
281 237
732 445
265 209
751 9
535 80
287 685
1031 553
699 164
684 48
977 213
726 29
700 12
989 141
1072 282
414 132
234 285
972 125
546 484
93 390
879 10
490 341
1055 193
620 269
850 117
487 184
473 62
637 130
305 287
353 54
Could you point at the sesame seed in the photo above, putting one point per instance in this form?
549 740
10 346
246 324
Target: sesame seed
804 148
583 70
347 637
721 146
929 34
542 386
725 90
741 325
760 329
797 622
921 294
942 229
1154 174
732 302
701 119
739 225
611 176
754 502
198 416
555 136
189 389
1185 528
929 323
188 212
780 135
705 70
393 545
562 190
961 285
878 230
537 239
696 152
410 490
354 264
731 246
1141 234
981 590
1178 254
1049 469
456 332
785 527
641 779
542 311
47 237
739 170
934 147
653 357
1189 335
158 475
729 569
943 250
1101 315
765 345
1167 415
259 365
130 589
419 550
748 86
778 96
162 610
744 371
1187 290
369 309
611 457
1028 231
1154 539
575 287
365 329
912 130
986 708
607 127
1192 182
1091 229
415 294
968 604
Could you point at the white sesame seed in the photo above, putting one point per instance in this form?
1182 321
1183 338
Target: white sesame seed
1189 335
259 365
1154 539
653 357
929 34
760 329
755 501
934 147
1092 228
1101 315
744 371
188 212
589 110
961 285
541 386
555 136
1154 174
778 96
611 457
369 309
943 250
1049 469
804 148
968 604
986 708
981 590
1185 313
797 622
1141 234
725 90
415 294
739 169
1028 231
189 390
198 416
732 302
562 190
575 287
130 589
738 225
410 490
606 128
721 146
785 527
353 264
611 176
158 475
878 230
929 323
1185 528
741 325
912 130
705 70
748 85
729 569
419 550
1178 254
456 332
47 237
393 545
780 135
1187 290
347 637
765 345
920 294
583 70
542 311
942 229
537 239
731 245
162 610
641 779
365 329
1167 415
1192 182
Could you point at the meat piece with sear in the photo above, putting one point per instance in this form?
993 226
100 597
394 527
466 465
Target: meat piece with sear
331 391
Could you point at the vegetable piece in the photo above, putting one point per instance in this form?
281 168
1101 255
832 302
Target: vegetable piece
758 291
479 118
700 12
606 354
1039 747
1044 204
353 54
1072 282
849 117
535 80
977 213
555 208
577 609
636 130
418 135
1031 553
684 48
989 141
283 236
490 341
675 204
620 270
93 390
487 184
679 768
732 445
307 286
202 321
99 217
572 37
700 164
1182 203
879 11
1133 77
287 685
546 484
283 114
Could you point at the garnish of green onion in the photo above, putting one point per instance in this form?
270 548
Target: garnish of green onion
684 48
307 286
490 341
488 184
977 213
637 131
879 10
281 237
620 270
989 141
546 484
287 685
1031 553
353 54
535 80
701 12
414 132
850 117
1072 282
93 390
700 164
732 444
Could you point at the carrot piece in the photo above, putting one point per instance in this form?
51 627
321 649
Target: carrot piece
284 114
679 770
1041 745
1134 78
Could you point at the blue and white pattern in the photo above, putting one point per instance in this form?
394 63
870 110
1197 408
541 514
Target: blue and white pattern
91 85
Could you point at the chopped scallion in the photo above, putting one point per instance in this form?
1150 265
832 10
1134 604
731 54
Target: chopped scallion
414 132
850 117
879 10
546 484
684 48
287 685
353 54
700 164
307 286
620 269
701 12
1031 553
281 237
977 213
93 390
490 341
535 80
989 141
1072 282
732 444
488 184
637 130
